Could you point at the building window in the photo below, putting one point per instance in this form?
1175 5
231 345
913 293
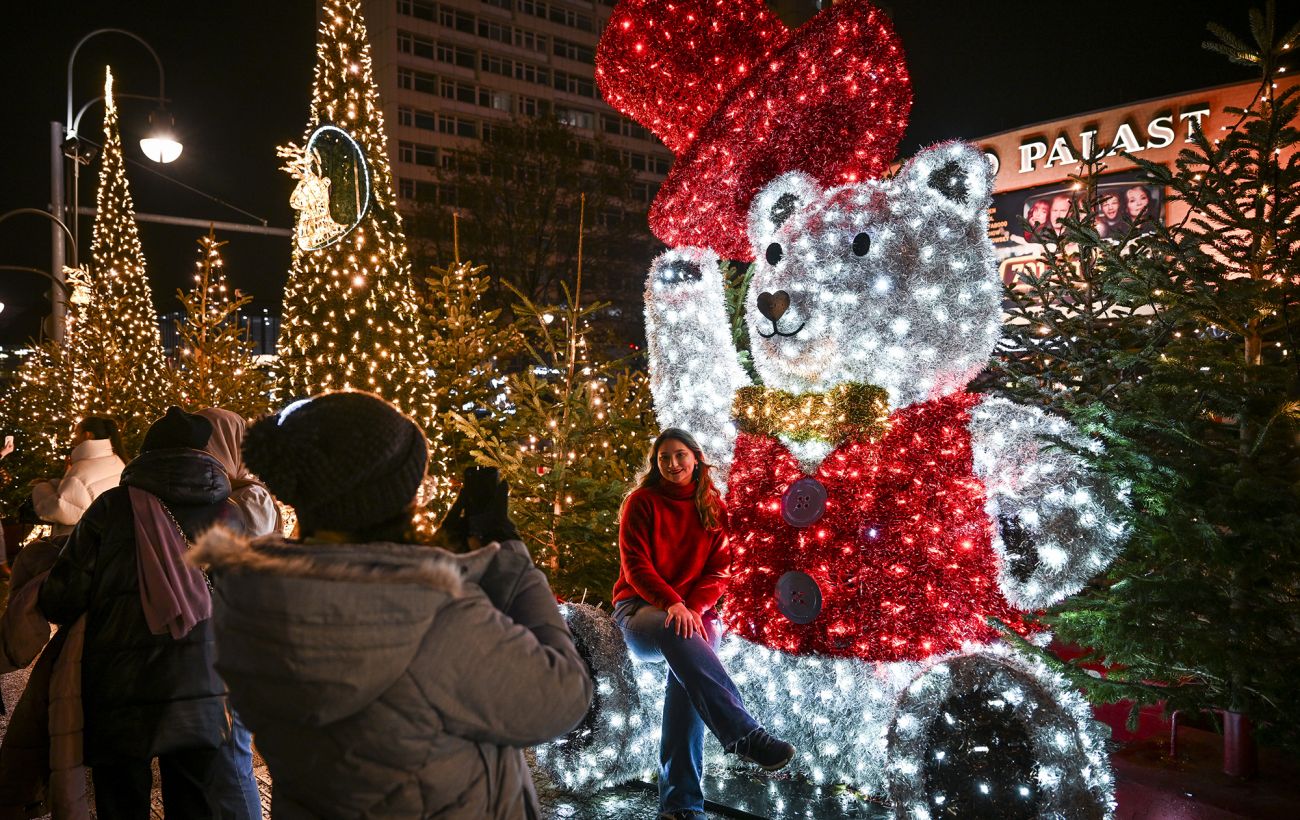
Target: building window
458 20
530 40
624 127
576 118
458 126
658 165
495 65
574 51
533 7
531 73
455 55
412 80
572 19
415 118
528 106
409 43
419 9
417 154
574 84
501 4
418 190
496 32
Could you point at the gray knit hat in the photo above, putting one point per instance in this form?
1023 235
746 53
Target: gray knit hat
344 460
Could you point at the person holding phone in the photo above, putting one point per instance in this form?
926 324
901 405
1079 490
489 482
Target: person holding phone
383 677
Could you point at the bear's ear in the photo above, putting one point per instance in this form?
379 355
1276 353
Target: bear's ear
779 200
953 175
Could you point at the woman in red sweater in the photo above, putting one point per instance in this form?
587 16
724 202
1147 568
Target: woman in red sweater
675 564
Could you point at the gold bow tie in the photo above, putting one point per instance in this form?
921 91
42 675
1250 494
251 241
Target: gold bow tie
848 411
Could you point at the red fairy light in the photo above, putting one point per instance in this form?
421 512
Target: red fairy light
838 88
903 559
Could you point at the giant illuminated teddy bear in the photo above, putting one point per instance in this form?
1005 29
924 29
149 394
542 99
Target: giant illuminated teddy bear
881 515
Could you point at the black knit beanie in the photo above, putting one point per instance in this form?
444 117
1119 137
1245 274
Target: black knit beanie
344 460
177 429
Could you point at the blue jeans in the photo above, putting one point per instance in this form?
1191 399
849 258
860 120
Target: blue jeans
698 694
235 786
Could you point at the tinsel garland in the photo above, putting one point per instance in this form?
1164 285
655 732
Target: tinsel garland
847 411
739 99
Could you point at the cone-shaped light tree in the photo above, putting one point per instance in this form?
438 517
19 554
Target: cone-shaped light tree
117 348
214 363
350 313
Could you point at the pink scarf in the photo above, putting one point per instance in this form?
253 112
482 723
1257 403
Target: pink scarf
174 595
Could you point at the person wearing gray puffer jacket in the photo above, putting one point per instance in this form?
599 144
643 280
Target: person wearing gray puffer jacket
384 679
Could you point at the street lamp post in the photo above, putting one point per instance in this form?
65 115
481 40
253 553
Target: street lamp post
160 145
61 292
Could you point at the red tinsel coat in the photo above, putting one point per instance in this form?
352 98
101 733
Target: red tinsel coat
903 554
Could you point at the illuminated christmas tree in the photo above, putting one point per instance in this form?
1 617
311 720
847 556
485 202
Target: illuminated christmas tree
350 313
578 431
466 348
215 366
117 348
37 409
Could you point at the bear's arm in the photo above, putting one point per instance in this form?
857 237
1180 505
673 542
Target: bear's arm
694 367
1059 521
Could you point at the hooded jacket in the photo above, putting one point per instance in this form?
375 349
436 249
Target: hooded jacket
256 506
143 694
94 469
393 680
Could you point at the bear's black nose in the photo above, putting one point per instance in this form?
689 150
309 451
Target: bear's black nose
773 305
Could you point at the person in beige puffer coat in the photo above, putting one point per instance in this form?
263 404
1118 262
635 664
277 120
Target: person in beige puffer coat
95 465
385 679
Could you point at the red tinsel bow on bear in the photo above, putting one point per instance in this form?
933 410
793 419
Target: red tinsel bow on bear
740 99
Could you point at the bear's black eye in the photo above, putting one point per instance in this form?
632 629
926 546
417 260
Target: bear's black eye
861 244
774 253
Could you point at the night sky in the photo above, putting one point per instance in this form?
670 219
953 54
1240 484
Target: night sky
239 76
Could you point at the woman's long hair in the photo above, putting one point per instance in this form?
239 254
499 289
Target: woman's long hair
103 427
708 501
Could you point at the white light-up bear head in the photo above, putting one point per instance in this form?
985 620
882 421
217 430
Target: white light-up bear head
891 283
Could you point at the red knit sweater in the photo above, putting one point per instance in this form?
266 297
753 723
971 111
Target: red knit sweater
666 554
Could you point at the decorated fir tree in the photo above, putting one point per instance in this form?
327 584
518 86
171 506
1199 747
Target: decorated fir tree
350 314
1070 337
117 348
37 408
215 364
467 345
578 429
1207 429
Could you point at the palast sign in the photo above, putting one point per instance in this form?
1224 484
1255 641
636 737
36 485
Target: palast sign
1047 153
1159 132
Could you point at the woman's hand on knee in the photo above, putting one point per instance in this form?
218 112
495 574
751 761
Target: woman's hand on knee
685 621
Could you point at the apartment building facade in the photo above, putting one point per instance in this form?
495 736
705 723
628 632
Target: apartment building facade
449 71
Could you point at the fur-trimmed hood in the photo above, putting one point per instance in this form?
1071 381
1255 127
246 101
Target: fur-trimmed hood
327 627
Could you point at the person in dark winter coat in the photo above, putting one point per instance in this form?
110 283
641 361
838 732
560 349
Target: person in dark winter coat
385 679
149 688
